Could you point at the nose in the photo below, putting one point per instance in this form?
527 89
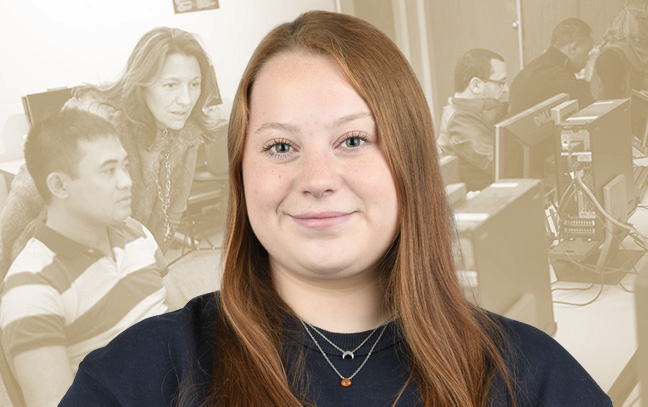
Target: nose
123 178
184 96
319 174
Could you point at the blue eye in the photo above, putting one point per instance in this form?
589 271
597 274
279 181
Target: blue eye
281 148
278 148
354 140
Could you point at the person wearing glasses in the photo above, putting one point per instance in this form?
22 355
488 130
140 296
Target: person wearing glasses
467 124
555 70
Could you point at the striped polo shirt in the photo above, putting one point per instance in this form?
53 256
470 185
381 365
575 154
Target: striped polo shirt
61 292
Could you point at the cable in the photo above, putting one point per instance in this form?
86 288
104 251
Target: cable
602 286
604 212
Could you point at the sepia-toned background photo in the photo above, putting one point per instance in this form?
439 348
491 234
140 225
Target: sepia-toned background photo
47 45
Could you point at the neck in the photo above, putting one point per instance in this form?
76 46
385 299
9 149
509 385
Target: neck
77 229
351 305
466 94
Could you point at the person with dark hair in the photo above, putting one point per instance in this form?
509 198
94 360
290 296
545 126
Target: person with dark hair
467 124
90 271
163 109
338 284
555 70
622 62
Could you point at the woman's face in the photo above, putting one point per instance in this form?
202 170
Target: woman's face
311 134
174 93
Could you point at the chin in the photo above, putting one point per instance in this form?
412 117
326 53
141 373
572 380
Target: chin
121 217
175 125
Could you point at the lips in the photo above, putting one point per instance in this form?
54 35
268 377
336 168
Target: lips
321 220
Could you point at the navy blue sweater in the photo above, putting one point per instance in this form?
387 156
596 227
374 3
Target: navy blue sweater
146 364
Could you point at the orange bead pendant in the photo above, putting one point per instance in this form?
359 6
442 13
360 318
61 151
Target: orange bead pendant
345 382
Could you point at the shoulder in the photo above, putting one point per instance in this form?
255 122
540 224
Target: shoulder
174 331
153 356
35 266
544 372
610 56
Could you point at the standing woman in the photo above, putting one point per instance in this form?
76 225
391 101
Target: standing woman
338 286
163 109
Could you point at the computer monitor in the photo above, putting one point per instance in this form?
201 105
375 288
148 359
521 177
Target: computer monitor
639 118
524 143
40 105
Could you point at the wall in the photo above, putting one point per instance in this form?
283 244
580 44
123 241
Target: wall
49 44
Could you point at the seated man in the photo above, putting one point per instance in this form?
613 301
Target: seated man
90 271
555 71
467 124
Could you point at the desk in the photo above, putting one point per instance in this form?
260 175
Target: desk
602 335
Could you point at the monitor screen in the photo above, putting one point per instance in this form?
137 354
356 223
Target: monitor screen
525 143
39 105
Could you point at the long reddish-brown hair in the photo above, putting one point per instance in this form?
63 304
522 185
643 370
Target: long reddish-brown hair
453 347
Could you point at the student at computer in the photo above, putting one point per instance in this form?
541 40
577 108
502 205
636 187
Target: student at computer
555 70
162 107
467 128
90 271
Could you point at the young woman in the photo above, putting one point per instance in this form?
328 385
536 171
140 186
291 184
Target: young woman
338 285
162 108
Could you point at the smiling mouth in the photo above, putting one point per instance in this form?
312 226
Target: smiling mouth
322 220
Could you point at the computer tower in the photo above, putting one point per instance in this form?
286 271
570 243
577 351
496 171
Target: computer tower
594 145
503 265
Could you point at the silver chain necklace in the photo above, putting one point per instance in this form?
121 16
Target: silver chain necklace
346 381
165 196
346 353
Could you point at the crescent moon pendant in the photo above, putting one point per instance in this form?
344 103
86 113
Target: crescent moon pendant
347 353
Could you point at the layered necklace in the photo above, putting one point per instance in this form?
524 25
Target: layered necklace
164 193
346 381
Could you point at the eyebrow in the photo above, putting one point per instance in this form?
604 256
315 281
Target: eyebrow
350 118
291 128
178 78
112 161
108 162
